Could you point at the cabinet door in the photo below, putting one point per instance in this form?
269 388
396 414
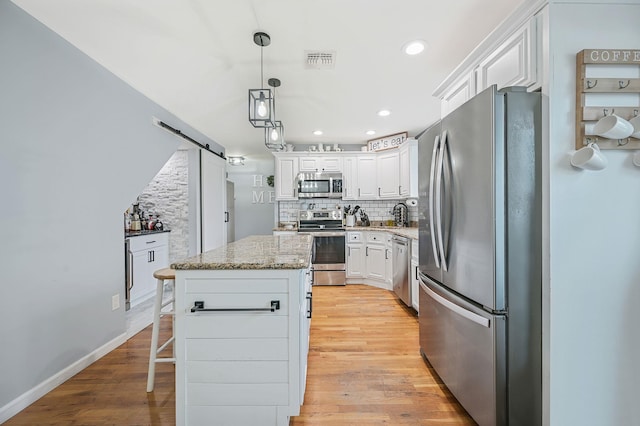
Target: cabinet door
375 261
408 164
367 178
355 261
459 93
309 164
389 175
349 178
331 164
142 277
285 178
513 63
415 283
388 258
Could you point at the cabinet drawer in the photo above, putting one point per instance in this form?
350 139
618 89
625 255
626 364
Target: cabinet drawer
237 394
239 301
217 326
237 371
230 416
354 237
379 237
143 242
237 349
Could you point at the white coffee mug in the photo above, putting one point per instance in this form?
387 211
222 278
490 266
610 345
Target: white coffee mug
613 127
589 158
635 122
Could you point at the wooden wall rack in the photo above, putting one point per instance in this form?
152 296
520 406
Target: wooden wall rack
611 85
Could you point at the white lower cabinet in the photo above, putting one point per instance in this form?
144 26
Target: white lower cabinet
375 256
415 281
237 364
147 254
355 255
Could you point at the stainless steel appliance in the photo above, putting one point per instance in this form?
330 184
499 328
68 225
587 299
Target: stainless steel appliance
319 185
401 266
328 257
480 255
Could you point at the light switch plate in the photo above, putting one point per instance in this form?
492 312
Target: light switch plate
115 302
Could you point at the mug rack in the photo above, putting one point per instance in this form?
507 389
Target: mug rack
611 85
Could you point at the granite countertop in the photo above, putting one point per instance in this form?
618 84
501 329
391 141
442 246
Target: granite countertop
409 232
255 252
144 232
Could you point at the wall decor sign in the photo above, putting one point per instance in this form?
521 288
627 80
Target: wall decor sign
386 142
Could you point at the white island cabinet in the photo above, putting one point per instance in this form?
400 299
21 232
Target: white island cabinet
242 332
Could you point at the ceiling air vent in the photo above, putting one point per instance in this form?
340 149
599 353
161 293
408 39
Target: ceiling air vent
320 60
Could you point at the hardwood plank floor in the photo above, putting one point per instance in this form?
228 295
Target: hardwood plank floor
364 369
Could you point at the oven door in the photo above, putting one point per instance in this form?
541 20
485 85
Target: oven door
328 258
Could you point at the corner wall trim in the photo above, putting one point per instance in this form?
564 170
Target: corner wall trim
32 395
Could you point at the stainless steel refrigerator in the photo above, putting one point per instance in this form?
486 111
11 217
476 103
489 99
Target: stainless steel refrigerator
480 255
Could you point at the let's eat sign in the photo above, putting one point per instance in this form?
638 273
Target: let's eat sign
386 142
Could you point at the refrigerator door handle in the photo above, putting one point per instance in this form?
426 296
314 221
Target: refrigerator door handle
455 308
431 207
438 206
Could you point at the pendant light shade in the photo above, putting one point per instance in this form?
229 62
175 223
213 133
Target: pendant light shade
274 137
261 100
261 107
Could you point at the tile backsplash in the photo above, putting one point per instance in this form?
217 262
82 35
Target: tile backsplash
378 210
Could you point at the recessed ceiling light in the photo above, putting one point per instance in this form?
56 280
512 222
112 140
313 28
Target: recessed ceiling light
371 132
414 47
317 132
384 112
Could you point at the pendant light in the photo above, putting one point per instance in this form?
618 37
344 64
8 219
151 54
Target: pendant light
274 136
261 100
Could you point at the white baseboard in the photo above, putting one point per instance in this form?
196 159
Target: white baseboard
37 392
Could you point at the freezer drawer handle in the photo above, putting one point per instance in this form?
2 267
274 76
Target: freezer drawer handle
455 308
198 306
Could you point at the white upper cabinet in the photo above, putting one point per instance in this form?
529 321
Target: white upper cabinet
320 163
409 169
509 56
513 63
389 174
285 177
367 188
459 93
349 178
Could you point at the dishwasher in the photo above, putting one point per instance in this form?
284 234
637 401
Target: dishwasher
401 266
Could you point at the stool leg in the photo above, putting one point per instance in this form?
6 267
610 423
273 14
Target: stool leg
173 318
153 351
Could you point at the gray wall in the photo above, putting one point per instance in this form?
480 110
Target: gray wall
594 287
77 147
254 199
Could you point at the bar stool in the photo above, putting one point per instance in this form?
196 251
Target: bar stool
164 276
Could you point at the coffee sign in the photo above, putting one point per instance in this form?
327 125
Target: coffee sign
386 142
611 56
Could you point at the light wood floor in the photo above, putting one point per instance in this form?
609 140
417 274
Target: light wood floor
364 369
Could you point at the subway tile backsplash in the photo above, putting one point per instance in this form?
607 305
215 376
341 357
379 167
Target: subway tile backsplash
378 210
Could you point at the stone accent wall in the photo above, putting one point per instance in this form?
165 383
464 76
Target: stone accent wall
167 195
378 210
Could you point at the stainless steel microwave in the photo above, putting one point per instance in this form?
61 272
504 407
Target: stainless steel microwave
319 185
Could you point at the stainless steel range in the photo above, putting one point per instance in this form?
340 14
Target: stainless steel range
328 258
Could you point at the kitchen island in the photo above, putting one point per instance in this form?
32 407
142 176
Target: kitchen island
242 332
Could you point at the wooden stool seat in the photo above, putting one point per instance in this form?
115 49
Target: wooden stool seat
164 276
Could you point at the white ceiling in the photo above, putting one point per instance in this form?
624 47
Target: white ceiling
197 59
